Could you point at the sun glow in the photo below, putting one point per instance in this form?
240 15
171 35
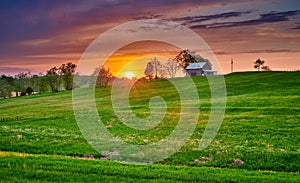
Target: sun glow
129 75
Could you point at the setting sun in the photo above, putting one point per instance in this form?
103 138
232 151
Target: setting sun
129 75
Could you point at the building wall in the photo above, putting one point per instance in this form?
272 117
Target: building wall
195 72
199 72
210 73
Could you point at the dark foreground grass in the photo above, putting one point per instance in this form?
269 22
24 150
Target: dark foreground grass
261 128
64 169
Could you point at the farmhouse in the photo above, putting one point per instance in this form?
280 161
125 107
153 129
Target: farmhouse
199 69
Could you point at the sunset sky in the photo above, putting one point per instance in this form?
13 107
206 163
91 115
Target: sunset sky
37 35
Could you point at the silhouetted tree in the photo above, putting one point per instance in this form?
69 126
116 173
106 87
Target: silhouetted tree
67 72
258 64
186 57
266 68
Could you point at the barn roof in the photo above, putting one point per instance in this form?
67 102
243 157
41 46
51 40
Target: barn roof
198 65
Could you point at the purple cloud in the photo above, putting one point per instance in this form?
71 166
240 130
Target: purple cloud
271 17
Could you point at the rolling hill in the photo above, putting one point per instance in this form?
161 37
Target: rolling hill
258 140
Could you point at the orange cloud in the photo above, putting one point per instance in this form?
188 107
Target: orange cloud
140 52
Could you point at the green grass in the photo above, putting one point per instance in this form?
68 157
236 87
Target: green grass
65 169
261 127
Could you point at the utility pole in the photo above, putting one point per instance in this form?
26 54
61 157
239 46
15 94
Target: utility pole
231 65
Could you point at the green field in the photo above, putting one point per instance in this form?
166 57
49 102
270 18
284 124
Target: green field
261 128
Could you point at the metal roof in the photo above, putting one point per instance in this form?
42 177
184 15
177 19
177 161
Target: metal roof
198 65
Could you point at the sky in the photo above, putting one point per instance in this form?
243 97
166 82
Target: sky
36 35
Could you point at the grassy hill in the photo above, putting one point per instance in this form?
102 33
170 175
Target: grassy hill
261 128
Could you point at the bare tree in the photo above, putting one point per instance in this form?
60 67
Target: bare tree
162 71
171 67
149 70
154 67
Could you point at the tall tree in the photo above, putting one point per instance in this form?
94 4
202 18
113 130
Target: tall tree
22 81
39 83
104 76
53 79
67 72
43 85
6 87
184 58
8 80
154 67
171 68
258 64
157 66
149 70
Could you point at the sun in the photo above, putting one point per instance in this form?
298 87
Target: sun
129 75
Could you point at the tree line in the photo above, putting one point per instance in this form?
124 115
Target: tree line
25 83
61 78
